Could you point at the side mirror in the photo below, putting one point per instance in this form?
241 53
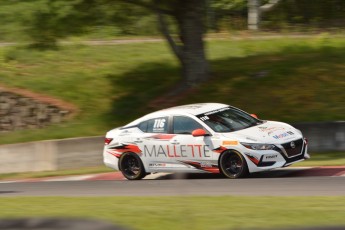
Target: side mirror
199 133
254 115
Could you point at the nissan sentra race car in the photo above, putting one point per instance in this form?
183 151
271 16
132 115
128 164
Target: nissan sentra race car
208 137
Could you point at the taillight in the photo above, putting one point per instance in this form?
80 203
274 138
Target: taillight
107 140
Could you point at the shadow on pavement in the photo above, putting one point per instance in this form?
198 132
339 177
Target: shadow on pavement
6 192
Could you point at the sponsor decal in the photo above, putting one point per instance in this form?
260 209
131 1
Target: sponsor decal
159 125
216 111
262 128
282 135
157 165
264 161
204 118
270 130
176 151
271 156
230 142
204 165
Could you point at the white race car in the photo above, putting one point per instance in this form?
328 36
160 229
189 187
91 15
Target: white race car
208 137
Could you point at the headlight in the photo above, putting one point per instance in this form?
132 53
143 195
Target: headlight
258 146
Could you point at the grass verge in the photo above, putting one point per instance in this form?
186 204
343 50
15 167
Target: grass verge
324 159
224 212
80 171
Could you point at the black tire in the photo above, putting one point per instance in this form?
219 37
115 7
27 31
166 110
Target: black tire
233 165
131 166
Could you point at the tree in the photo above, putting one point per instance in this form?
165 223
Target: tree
304 13
232 12
60 18
255 9
189 46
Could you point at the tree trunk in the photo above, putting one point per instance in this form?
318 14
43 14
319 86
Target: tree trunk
191 24
253 14
189 49
255 11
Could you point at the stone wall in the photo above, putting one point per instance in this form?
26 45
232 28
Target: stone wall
20 109
52 155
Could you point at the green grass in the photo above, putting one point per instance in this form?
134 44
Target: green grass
224 212
303 80
291 80
324 159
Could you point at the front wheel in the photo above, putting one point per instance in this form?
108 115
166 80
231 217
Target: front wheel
131 166
233 165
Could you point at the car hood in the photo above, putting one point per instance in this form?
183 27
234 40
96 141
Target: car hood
268 132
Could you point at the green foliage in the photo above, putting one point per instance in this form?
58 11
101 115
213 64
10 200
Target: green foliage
13 15
54 19
44 22
306 15
303 14
129 19
228 14
229 5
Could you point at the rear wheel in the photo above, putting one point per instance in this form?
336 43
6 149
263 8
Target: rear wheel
233 165
131 166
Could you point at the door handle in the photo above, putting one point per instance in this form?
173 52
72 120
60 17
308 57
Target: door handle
138 141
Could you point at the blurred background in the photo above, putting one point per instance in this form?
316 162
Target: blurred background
78 68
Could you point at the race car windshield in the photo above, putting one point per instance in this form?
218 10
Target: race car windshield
228 120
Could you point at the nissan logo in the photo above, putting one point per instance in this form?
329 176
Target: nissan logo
292 144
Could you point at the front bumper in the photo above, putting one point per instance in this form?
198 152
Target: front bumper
281 156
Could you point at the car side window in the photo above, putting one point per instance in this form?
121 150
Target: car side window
185 125
156 125
143 126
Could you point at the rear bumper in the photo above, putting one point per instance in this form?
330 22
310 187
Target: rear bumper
110 160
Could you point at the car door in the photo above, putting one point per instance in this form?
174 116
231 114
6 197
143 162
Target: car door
194 151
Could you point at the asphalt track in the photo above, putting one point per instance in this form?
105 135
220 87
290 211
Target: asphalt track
283 182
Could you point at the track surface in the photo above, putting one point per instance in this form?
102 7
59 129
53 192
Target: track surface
283 182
